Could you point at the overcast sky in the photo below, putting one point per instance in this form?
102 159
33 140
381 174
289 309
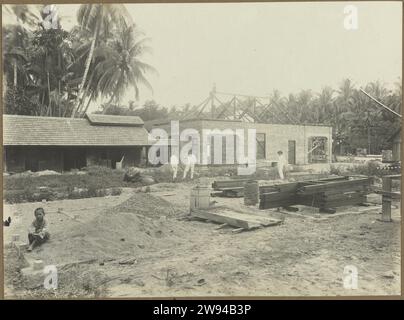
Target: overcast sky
254 48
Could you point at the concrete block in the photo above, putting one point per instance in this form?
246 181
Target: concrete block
33 278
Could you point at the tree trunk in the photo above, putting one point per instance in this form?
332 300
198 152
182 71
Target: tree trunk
59 111
81 105
88 104
88 62
49 111
15 73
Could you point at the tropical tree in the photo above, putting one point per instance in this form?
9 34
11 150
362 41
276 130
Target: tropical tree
48 66
323 105
28 16
118 65
16 40
98 20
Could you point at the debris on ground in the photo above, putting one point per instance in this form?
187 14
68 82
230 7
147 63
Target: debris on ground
132 174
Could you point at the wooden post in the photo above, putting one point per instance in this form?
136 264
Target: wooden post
386 200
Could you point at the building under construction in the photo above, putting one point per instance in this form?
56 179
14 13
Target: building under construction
301 144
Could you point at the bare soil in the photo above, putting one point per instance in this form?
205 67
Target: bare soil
142 244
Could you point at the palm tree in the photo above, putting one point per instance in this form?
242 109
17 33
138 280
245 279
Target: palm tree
27 16
342 107
119 66
16 41
98 19
304 103
324 104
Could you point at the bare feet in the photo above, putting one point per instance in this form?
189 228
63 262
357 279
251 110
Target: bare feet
31 246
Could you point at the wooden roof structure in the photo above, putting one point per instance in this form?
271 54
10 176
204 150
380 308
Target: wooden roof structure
57 131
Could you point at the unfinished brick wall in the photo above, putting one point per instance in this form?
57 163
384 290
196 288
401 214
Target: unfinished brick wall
277 137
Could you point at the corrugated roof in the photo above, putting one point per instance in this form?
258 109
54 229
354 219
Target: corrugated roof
102 119
51 131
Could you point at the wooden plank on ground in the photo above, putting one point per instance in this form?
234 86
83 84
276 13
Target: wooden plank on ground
234 218
230 220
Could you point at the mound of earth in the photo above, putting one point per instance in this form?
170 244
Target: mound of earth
122 231
147 205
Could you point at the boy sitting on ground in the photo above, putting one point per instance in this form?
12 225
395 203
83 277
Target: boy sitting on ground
38 233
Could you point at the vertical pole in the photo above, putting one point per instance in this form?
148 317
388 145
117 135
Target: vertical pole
386 200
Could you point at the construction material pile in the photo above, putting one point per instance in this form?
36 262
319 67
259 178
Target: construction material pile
324 193
230 188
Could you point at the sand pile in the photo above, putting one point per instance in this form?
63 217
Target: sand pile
123 231
147 205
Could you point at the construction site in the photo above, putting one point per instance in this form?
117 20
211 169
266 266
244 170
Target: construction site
202 150
319 227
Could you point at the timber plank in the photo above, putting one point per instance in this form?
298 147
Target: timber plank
233 218
232 221
343 185
275 196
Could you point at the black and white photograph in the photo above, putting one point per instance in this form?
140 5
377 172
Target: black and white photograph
177 150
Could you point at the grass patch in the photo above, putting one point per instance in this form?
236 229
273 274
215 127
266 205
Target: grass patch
95 182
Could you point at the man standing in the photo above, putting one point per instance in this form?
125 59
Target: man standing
281 165
190 165
174 165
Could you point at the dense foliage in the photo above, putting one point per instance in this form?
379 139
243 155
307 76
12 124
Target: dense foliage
51 72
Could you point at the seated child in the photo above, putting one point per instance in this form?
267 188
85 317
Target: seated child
38 233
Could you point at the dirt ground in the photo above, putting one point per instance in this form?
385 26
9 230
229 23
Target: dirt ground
142 244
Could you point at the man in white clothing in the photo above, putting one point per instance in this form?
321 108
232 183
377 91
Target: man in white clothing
190 165
281 165
174 165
